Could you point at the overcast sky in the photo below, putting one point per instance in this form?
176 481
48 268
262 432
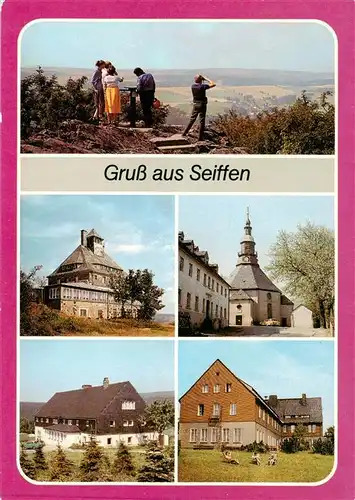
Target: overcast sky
68 364
286 368
138 232
180 45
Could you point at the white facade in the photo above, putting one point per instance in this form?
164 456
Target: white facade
202 291
302 317
67 439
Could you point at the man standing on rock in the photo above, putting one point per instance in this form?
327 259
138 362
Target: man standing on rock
146 91
198 89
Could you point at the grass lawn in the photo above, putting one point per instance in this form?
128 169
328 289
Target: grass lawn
120 328
207 466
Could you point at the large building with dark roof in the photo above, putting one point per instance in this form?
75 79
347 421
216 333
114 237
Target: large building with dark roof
303 410
80 286
109 412
254 299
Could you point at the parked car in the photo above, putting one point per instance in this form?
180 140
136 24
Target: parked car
33 445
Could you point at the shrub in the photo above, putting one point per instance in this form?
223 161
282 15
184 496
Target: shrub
157 468
255 447
290 445
305 127
45 103
323 446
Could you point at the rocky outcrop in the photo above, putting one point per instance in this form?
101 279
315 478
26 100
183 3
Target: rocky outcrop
75 137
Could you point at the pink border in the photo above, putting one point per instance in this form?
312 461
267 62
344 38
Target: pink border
337 13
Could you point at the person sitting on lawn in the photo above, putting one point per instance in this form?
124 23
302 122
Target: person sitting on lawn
228 457
272 460
255 459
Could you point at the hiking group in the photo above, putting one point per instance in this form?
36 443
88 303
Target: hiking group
106 80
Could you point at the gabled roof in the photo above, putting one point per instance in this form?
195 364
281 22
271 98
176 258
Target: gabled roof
239 295
87 260
247 386
294 406
64 428
85 403
251 277
301 305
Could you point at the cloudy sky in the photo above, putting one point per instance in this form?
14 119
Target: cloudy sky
138 232
286 368
164 45
147 364
216 223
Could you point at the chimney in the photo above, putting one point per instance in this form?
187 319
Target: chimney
272 400
86 386
83 239
304 400
181 236
106 383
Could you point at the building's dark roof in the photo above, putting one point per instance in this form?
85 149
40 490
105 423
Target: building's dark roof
285 301
83 403
85 285
64 428
296 410
87 261
239 295
93 232
251 277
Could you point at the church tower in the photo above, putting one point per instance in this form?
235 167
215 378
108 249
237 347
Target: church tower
247 254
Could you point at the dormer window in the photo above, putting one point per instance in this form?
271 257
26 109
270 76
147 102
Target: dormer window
128 405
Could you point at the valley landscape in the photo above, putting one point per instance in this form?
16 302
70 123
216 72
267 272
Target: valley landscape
246 91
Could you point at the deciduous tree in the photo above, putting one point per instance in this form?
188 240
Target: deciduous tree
304 262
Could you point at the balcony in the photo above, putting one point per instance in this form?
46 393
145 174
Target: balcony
214 420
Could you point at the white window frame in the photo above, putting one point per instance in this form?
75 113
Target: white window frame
237 435
128 405
228 386
203 435
213 435
233 409
193 435
205 388
225 434
216 388
216 409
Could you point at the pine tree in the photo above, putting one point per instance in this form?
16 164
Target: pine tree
27 465
39 460
60 468
123 460
93 465
157 467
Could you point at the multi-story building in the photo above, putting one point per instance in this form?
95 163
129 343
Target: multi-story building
295 411
110 412
254 298
203 292
221 408
80 286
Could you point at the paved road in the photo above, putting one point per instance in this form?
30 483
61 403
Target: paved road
272 331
